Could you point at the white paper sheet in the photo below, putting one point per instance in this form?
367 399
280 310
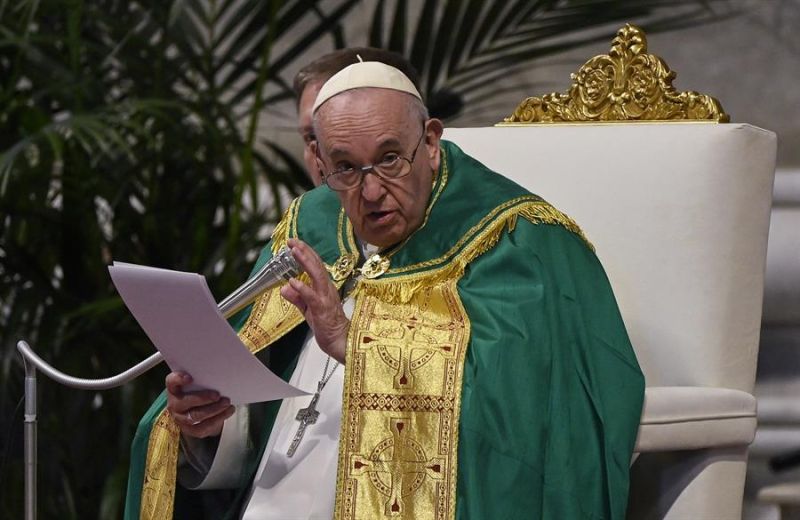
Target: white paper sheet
181 318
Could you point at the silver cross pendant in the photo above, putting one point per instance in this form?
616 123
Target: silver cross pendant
306 416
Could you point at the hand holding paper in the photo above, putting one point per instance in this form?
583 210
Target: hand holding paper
181 318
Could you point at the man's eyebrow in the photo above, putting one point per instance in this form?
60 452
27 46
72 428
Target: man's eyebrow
338 151
392 142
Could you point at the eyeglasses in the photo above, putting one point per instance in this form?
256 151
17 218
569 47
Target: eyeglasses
392 166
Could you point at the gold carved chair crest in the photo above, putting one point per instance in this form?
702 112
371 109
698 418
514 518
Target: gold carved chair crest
627 84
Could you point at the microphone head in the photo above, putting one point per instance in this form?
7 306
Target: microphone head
279 268
284 263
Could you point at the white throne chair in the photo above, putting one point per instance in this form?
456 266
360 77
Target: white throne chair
677 202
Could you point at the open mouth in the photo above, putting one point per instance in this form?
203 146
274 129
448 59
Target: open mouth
380 217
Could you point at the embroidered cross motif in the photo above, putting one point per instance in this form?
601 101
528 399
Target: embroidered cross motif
400 417
405 348
398 466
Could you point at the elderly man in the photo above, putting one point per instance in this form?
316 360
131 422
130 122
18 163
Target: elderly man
487 372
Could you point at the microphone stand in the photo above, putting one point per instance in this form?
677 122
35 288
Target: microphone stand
281 267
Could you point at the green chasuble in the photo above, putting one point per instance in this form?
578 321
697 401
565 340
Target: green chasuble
488 373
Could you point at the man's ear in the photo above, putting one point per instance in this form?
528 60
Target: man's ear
433 133
313 147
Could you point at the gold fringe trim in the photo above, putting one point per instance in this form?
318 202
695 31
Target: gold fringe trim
280 235
401 289
547 214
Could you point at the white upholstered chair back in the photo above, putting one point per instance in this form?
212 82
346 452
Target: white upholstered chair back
679 214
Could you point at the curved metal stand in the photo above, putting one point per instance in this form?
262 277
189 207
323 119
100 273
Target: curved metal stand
85 384
281 267
32 362
30 439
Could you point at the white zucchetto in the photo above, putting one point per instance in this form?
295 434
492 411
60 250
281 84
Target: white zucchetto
364 74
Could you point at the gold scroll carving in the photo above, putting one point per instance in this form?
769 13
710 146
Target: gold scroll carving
627 84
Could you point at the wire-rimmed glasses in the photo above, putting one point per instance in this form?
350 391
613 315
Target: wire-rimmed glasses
391 166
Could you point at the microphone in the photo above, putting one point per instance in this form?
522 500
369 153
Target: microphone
280 267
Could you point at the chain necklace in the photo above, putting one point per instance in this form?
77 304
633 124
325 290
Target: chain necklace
309 414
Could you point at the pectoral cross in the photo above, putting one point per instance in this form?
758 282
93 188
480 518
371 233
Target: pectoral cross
306 416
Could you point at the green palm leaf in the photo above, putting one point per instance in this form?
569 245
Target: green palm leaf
131 132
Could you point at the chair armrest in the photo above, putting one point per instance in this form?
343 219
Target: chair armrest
690 418
787 493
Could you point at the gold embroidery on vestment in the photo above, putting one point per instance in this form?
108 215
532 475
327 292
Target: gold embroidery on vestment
295 215
272 317
339 232
375 266
402 398
158 499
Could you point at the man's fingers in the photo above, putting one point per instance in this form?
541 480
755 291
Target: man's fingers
293 297
306 293
310 261
311 255
175 382
210 427
299 294
199 414
191 400
179 403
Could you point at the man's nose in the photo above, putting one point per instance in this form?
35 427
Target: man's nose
372 188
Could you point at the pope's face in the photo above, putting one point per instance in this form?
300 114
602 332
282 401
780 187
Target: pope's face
306 130
359 128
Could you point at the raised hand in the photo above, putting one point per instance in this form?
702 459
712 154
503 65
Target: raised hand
319 302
